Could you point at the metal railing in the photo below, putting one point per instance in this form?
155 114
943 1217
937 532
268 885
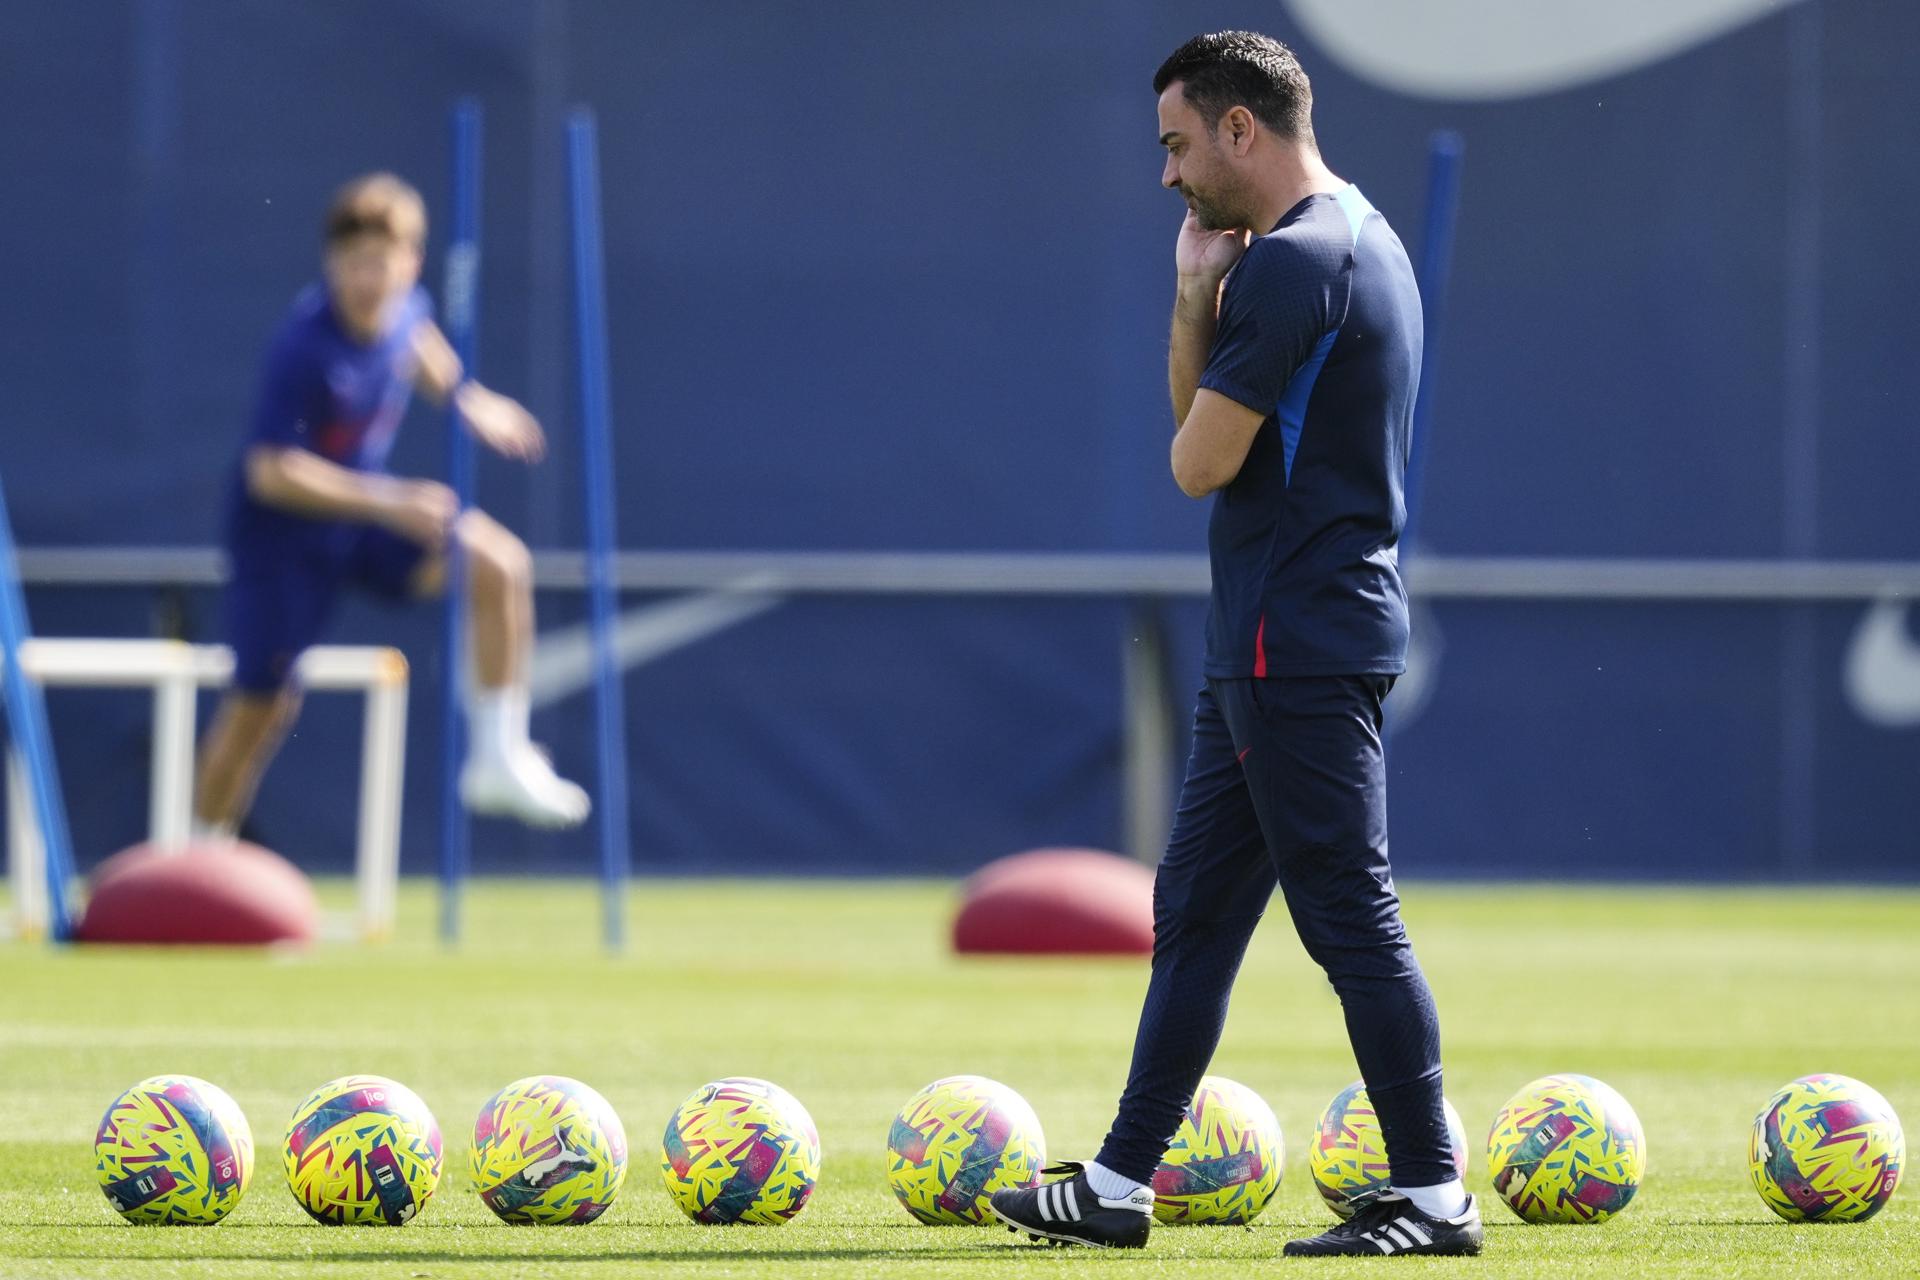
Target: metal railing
1148 691
1433 577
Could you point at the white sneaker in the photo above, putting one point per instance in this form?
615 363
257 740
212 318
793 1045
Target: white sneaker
522 786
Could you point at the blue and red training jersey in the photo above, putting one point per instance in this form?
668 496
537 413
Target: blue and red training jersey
335 395
1320 331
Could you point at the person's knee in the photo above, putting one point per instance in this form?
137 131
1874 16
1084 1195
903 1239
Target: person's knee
1367 967
1175 911
1184 928
1350 927
1189 895
497 560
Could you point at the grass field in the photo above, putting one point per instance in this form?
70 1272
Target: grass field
1695 1004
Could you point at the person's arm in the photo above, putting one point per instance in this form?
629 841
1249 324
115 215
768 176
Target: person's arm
283 472
497 421
1196 311
1264 328
1202 260
1212 433
296 480
1212 443
436 365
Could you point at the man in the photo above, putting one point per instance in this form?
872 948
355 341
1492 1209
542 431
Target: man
1293 361
312 511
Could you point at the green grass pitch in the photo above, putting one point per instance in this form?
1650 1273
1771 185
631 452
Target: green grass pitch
1694 1003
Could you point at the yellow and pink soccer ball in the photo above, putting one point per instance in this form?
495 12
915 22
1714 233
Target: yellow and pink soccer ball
958 1141
1826 1148
173 1150
363 1150
548 1150
1226 1159
1348 1155
740 1150
1566 1148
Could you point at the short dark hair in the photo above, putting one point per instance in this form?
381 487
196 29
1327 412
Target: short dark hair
381 204
1230 69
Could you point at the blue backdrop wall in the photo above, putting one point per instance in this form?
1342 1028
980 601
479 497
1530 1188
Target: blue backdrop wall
895 277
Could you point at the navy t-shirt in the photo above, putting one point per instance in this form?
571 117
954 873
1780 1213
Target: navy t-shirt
1320 331
328 392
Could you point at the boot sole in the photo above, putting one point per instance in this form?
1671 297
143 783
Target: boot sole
1041 1233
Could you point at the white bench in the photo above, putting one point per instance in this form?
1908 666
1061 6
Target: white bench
175 672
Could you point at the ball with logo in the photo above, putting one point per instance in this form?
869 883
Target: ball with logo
1567 1149
363 1150
548 1150
1348 1154
958 1141
1226 1158
1826 1148
173 1150
740 1150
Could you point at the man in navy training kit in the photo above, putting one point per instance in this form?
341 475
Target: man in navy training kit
1293 362
312 510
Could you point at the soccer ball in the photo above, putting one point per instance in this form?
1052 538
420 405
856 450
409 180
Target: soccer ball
1348 1155
173 1149
1566 1149
1226 1158
1827 1149
740 1150
363 1149
958 1141
548 1150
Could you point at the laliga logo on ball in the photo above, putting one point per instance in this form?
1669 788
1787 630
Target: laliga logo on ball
1567 1149
548 1150
1226 1159
958 1141
173 1150
1348 1155
363 1150
740 1150
1826 1148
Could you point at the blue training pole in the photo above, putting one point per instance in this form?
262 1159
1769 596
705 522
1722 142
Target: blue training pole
27 720
461 299
590 315
1445 152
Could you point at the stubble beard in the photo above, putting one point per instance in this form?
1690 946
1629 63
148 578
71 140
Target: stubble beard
1208 217
1215 213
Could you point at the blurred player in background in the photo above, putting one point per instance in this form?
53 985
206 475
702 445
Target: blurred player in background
312 512
1293 363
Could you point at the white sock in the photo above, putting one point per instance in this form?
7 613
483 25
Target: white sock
497 722
1109 1185
1445 1200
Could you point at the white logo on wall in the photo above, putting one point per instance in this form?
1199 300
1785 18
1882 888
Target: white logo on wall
1488 49
563 660
1883 667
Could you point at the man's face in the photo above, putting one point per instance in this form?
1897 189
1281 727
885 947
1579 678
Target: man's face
369 274
1198 166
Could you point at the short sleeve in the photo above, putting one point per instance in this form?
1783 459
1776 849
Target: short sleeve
1273 314
292 397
